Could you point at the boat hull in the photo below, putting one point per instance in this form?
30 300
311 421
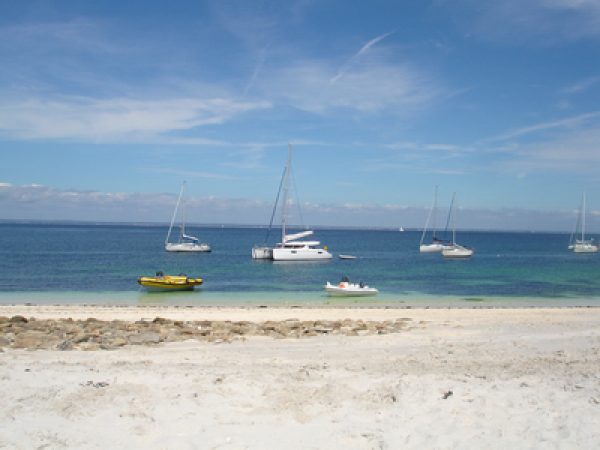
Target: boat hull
349 291
169 283
187 247
431 248
300 254
457 252
585 248
262 253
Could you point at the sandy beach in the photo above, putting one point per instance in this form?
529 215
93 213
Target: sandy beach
449 378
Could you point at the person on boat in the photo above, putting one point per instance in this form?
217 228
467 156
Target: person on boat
345 279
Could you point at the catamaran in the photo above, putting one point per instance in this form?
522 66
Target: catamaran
582 245
291 247
436 245
455 251
186 242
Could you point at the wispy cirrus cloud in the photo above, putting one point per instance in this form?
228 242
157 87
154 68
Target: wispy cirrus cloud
84 118
564 123
374 86
189 173
571 151
580 86
364 49
537 22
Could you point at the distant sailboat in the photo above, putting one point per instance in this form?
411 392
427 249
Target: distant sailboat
455 251
436 245
582 245
185 243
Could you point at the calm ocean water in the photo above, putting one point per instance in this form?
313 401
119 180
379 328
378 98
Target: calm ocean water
101 263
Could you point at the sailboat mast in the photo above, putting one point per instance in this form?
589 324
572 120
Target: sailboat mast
428 219
286 187
434 211
583 218
175 213
453 219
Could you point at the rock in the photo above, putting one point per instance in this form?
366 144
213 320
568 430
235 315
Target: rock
161 321
4 342
145 337
31 340
119 341
65 345
80 337
18 319
447 394
4 319
89 346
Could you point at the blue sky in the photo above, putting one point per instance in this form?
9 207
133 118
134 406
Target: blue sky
105 107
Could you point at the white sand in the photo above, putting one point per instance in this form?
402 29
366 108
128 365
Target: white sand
524 378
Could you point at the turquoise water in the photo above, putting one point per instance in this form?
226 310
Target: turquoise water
100 264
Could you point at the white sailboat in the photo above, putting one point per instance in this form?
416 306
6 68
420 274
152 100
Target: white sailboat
436 245
455 251
185 243
291 247
582 245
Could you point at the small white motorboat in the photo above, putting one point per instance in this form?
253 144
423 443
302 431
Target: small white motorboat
345 288
346 256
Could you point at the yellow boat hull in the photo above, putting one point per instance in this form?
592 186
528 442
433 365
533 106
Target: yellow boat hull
169 283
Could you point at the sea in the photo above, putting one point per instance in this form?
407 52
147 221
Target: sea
49 263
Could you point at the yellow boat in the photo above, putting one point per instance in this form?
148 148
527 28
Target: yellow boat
162 282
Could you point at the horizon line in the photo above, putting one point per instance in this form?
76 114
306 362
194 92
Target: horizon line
259 226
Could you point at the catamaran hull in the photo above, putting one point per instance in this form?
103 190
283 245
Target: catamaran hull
262 253
187 247
300 254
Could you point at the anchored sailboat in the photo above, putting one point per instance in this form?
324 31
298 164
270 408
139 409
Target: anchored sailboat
582 245
291 247
436 245
185 243
455 251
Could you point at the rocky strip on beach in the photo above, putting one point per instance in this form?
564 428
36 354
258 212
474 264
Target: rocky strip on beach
67 334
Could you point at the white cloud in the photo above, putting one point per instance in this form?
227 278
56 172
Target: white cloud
580 86
47 203
364 49
190 173
565 123
126 119
575 151
542 22
367 88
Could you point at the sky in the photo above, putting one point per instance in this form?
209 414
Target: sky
106 107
